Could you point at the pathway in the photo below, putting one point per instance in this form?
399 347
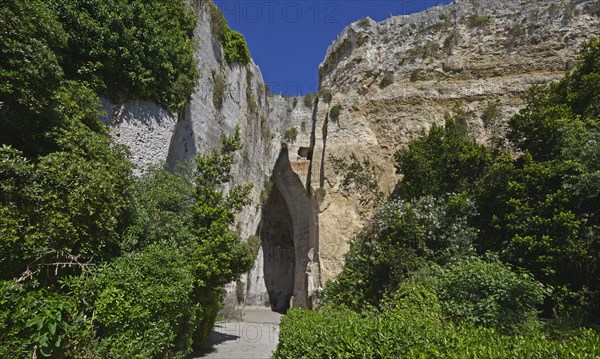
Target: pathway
255 337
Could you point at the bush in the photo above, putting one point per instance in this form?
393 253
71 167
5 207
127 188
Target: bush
219 89
234 45
413 328
400 238
309 100
34 322
451 41
142 304
488 294
319 194
443 161
291 134
387 80
163 210
326 95
415 75
235 48
145 52
334 113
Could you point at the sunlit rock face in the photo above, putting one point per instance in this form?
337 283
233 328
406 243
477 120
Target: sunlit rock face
396 78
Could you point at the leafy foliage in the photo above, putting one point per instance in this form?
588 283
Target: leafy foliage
443 161
95 262
326 94
539 210
401 237
309 100
334 113
291 134
535 214
478 20
234 45
387 80
65 209
142 304
131 49
485 293
412 326
358 178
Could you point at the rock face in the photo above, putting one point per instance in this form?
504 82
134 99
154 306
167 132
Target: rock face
396 78
393 80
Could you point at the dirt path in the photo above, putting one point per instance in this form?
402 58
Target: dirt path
255 337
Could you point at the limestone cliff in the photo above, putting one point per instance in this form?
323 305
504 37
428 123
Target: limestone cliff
396 78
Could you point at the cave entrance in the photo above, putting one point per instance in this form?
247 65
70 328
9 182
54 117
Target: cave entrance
279 254
288 233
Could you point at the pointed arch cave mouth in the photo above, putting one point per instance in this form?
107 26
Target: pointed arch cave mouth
285 232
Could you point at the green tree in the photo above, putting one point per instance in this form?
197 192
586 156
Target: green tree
30 73
217 255
400 238
68 207
359 177
540 211
443 161
164 204
131 49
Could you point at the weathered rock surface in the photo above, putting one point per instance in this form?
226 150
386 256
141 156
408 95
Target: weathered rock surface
396 78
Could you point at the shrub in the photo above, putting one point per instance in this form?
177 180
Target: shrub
488 293
359 178
412 328
415 75
154 44
400 238
334 113
319 194
478 21
235 48
218 22
234 45
443 161
570 10
142 303
266 192
516 31
163 210
387 80
364 22
451 41
326 95
291 134
309 100
220 86
34 322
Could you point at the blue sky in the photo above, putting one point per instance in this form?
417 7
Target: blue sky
288 39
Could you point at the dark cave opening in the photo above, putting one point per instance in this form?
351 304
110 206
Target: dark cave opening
277 240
